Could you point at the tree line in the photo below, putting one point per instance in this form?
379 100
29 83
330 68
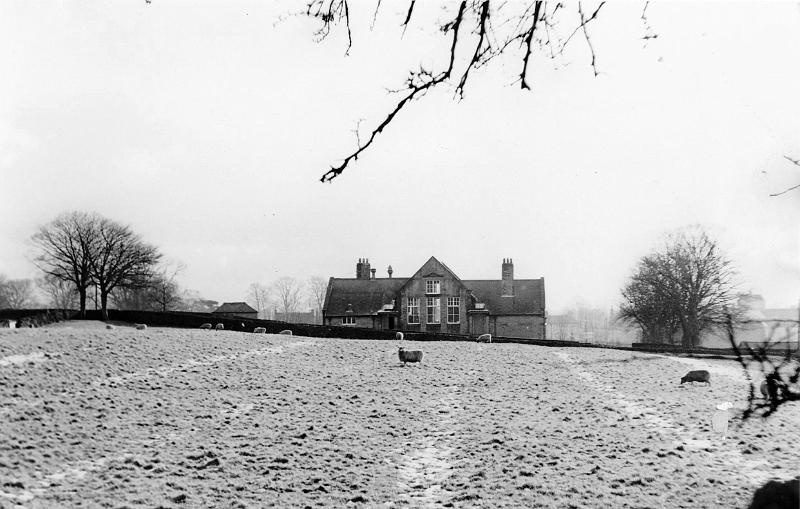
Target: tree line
288 296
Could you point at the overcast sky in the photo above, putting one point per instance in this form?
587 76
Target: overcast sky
206 126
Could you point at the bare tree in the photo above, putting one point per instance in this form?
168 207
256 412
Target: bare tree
192 301
66 247
163 290
121 259
287 290
688 284
781 373
317 289
258 296
477 32
16 293
60 294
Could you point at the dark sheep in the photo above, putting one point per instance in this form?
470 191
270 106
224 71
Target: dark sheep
777 495
700 375
409 355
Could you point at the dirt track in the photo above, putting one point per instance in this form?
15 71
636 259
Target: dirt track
185 418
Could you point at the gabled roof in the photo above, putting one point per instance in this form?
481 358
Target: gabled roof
235 307
528 296
364 296
426 267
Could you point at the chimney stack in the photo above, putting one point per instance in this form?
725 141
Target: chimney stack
373 271
507 283
389 270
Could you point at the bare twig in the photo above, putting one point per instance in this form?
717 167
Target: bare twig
405 22
415 88
475 56
528 40
796 162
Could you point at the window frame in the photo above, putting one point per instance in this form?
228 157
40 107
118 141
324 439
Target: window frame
409 314
454 303
435 304
433 286
348 320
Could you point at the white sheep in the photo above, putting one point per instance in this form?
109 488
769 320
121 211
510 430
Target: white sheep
409 355
206 326
485 338
219 326
286 332
141 326
398 336
260 330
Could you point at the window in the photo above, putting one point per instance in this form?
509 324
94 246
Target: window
453 309
434 312
348 320
433 286
413 310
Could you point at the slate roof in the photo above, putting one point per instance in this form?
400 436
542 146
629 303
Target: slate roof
235 307
528 296
366 296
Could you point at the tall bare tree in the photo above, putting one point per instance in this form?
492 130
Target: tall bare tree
287 291
16 293
688 284
121 259
60 294
66 249
258 296
317 288
163 290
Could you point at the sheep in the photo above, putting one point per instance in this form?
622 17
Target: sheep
260 330
700 375
141 326
485 338
109 326
777 494
409 355
398 336
219 326
6 324
206 326
286 332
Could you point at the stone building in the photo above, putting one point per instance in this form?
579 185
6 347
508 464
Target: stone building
236 309
435 299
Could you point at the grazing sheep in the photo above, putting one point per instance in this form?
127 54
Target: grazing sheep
206 326
700 375
286 332
409 355
765 389
141 326
109 326
219 326
398 336
777 495
260 330
485 338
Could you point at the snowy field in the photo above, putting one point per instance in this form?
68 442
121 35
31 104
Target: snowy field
188 418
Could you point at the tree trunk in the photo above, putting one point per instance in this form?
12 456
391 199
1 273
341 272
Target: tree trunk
691 336
104 306
82 294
